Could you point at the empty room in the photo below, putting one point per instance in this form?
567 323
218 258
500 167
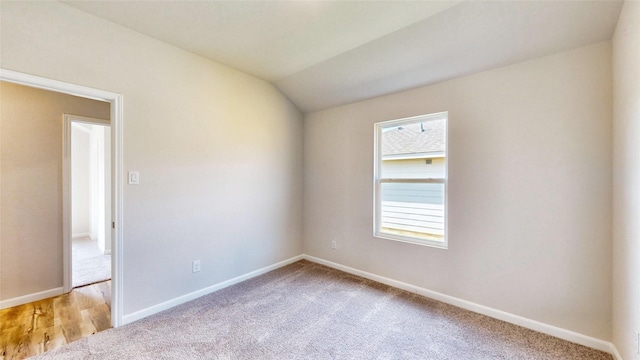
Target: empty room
321 179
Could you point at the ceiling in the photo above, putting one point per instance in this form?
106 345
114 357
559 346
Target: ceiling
322 54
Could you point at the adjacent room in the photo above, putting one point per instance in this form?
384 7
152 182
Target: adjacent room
320 179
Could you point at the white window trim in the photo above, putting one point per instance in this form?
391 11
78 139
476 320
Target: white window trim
377 180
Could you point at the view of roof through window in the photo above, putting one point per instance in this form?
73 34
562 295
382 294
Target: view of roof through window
415 138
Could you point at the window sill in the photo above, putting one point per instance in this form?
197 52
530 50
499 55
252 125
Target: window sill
434 244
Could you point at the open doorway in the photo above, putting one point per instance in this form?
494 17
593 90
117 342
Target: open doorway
116 198
90 184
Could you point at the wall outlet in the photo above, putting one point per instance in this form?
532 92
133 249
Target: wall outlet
334 244
195 266
636 341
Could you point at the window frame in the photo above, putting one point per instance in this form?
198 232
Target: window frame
378 181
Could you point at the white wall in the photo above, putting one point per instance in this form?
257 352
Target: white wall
108 209
219 152
529 189
90 171
101 186
94 185
31 122
626 180
81 193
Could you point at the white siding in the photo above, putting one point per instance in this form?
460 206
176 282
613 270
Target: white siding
413 217
413 169
413 209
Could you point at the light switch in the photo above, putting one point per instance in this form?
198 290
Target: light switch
134 177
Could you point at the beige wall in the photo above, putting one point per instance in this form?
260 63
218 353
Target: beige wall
529 189
31 185
219 152
626 180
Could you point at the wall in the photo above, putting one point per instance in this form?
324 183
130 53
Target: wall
91 169
529 189
31 123
108 234
101 188
626 180
81 180
94 184
219 152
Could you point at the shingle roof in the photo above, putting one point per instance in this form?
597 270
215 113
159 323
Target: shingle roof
425 137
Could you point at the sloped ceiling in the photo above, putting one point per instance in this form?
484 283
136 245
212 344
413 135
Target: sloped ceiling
322 54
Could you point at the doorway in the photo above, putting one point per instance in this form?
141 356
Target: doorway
116 115
89 158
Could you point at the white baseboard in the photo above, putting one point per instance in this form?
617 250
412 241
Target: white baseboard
81 235
129 318
614 352
30 298
481 309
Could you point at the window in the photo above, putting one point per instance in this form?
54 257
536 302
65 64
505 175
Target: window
410 175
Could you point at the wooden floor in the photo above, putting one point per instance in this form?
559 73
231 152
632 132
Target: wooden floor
31 329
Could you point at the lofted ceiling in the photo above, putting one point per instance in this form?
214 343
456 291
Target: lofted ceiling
322 54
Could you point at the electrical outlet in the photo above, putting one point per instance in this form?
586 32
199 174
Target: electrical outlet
195 266
334 244
636 340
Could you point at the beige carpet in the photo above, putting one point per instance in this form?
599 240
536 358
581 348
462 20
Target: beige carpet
308 311
89 264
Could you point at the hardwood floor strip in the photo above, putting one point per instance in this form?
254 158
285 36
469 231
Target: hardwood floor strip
65 310
43 315
71 332
100 318
31 329
86 298
105 291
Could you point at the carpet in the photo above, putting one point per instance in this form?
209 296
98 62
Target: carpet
309 311
88 263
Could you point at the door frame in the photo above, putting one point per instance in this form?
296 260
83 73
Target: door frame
117 120
67 186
